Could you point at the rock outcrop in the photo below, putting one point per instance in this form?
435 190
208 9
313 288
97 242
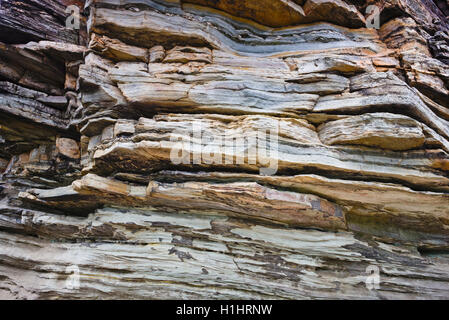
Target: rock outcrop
206 149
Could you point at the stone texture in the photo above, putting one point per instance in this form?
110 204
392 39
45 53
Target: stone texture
382 130
24 21
100 167
68 148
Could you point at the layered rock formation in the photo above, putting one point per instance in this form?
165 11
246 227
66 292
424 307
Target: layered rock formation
355 178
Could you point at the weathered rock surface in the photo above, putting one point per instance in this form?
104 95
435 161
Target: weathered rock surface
382 130
207 149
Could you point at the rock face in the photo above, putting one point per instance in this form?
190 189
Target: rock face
184 149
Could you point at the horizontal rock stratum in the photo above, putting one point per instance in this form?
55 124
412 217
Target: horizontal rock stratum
221 149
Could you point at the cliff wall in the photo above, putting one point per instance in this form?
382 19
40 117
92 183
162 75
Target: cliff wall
222 149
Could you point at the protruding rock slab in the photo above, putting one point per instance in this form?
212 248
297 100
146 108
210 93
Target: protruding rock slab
116 50
381 130
337 11
178 28
382 91
272 13
68 148
246 200
390 211
233 142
